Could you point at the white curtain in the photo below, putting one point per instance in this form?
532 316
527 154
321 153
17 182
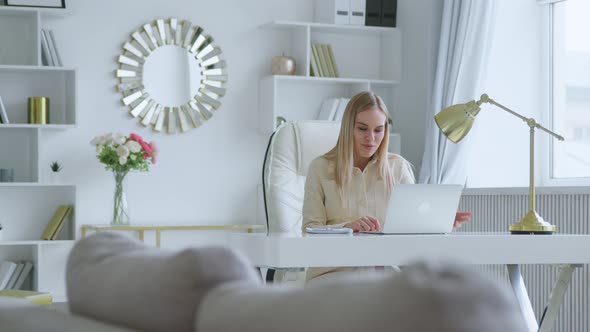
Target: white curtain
464 37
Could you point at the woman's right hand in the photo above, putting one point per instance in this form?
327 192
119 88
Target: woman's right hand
366 223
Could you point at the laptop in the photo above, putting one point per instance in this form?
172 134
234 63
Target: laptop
421 209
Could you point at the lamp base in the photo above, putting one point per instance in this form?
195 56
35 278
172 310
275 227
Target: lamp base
532 223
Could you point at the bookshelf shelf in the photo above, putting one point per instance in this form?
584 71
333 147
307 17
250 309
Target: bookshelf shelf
25 68
38 126
44 12
334 80
332 28
30 202
373 63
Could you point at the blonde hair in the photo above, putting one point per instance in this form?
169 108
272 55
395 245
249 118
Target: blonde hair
343 153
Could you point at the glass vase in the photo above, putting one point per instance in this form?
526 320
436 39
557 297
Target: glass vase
120 208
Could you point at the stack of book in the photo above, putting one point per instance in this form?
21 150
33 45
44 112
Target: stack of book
57 221
49 54
14 274
323 63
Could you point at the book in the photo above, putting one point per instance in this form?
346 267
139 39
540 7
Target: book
323 63
314 51
23 275
45 54
328 109
341 108
52 51
333 61
62 222
6 270
54 225
328 230
57 57
3 115
314 64
39 298
17 271
326 55
46 51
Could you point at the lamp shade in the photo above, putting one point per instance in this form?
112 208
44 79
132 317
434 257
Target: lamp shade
456 121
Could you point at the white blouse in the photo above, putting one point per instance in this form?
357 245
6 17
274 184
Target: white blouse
366 196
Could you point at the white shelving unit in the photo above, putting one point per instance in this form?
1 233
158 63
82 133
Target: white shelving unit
29 202
368 58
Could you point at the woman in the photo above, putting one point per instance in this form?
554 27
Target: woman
350 185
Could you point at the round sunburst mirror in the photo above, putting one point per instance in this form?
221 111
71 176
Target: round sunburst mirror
171 75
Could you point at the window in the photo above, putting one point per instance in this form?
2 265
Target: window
570 89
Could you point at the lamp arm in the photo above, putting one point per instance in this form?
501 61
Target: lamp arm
559 137
530 121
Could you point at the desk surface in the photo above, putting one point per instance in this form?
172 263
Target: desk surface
284 251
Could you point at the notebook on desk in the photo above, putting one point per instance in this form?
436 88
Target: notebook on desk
421 209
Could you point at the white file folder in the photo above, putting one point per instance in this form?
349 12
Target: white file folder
357 12
333 11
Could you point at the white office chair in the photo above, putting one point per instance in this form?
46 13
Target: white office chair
291 149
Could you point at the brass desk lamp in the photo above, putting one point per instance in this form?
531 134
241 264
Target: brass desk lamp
455 122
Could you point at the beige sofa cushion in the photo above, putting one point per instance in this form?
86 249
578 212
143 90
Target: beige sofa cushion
421 298
115 279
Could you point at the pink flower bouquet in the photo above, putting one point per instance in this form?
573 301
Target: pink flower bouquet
122 154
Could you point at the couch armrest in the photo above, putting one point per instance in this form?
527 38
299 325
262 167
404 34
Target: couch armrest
18 315
420 298
113 278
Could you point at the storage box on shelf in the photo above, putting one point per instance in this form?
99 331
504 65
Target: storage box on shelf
368 58
30 202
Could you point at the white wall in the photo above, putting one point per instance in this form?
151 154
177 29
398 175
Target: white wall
208 175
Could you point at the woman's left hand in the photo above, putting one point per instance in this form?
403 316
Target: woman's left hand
461 218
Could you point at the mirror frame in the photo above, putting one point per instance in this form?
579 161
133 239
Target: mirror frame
207 98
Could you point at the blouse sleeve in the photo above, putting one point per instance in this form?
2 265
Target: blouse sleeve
314 210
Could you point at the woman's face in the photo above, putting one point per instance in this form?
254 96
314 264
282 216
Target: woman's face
369 128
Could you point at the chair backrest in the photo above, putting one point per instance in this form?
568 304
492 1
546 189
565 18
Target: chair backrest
290 151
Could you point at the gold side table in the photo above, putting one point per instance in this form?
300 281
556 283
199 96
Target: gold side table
141 229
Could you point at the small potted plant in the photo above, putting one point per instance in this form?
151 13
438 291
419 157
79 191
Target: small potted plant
56 167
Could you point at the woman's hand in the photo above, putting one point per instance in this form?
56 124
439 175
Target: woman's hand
461 218
366 223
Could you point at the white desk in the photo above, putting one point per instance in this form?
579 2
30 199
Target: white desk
568 251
